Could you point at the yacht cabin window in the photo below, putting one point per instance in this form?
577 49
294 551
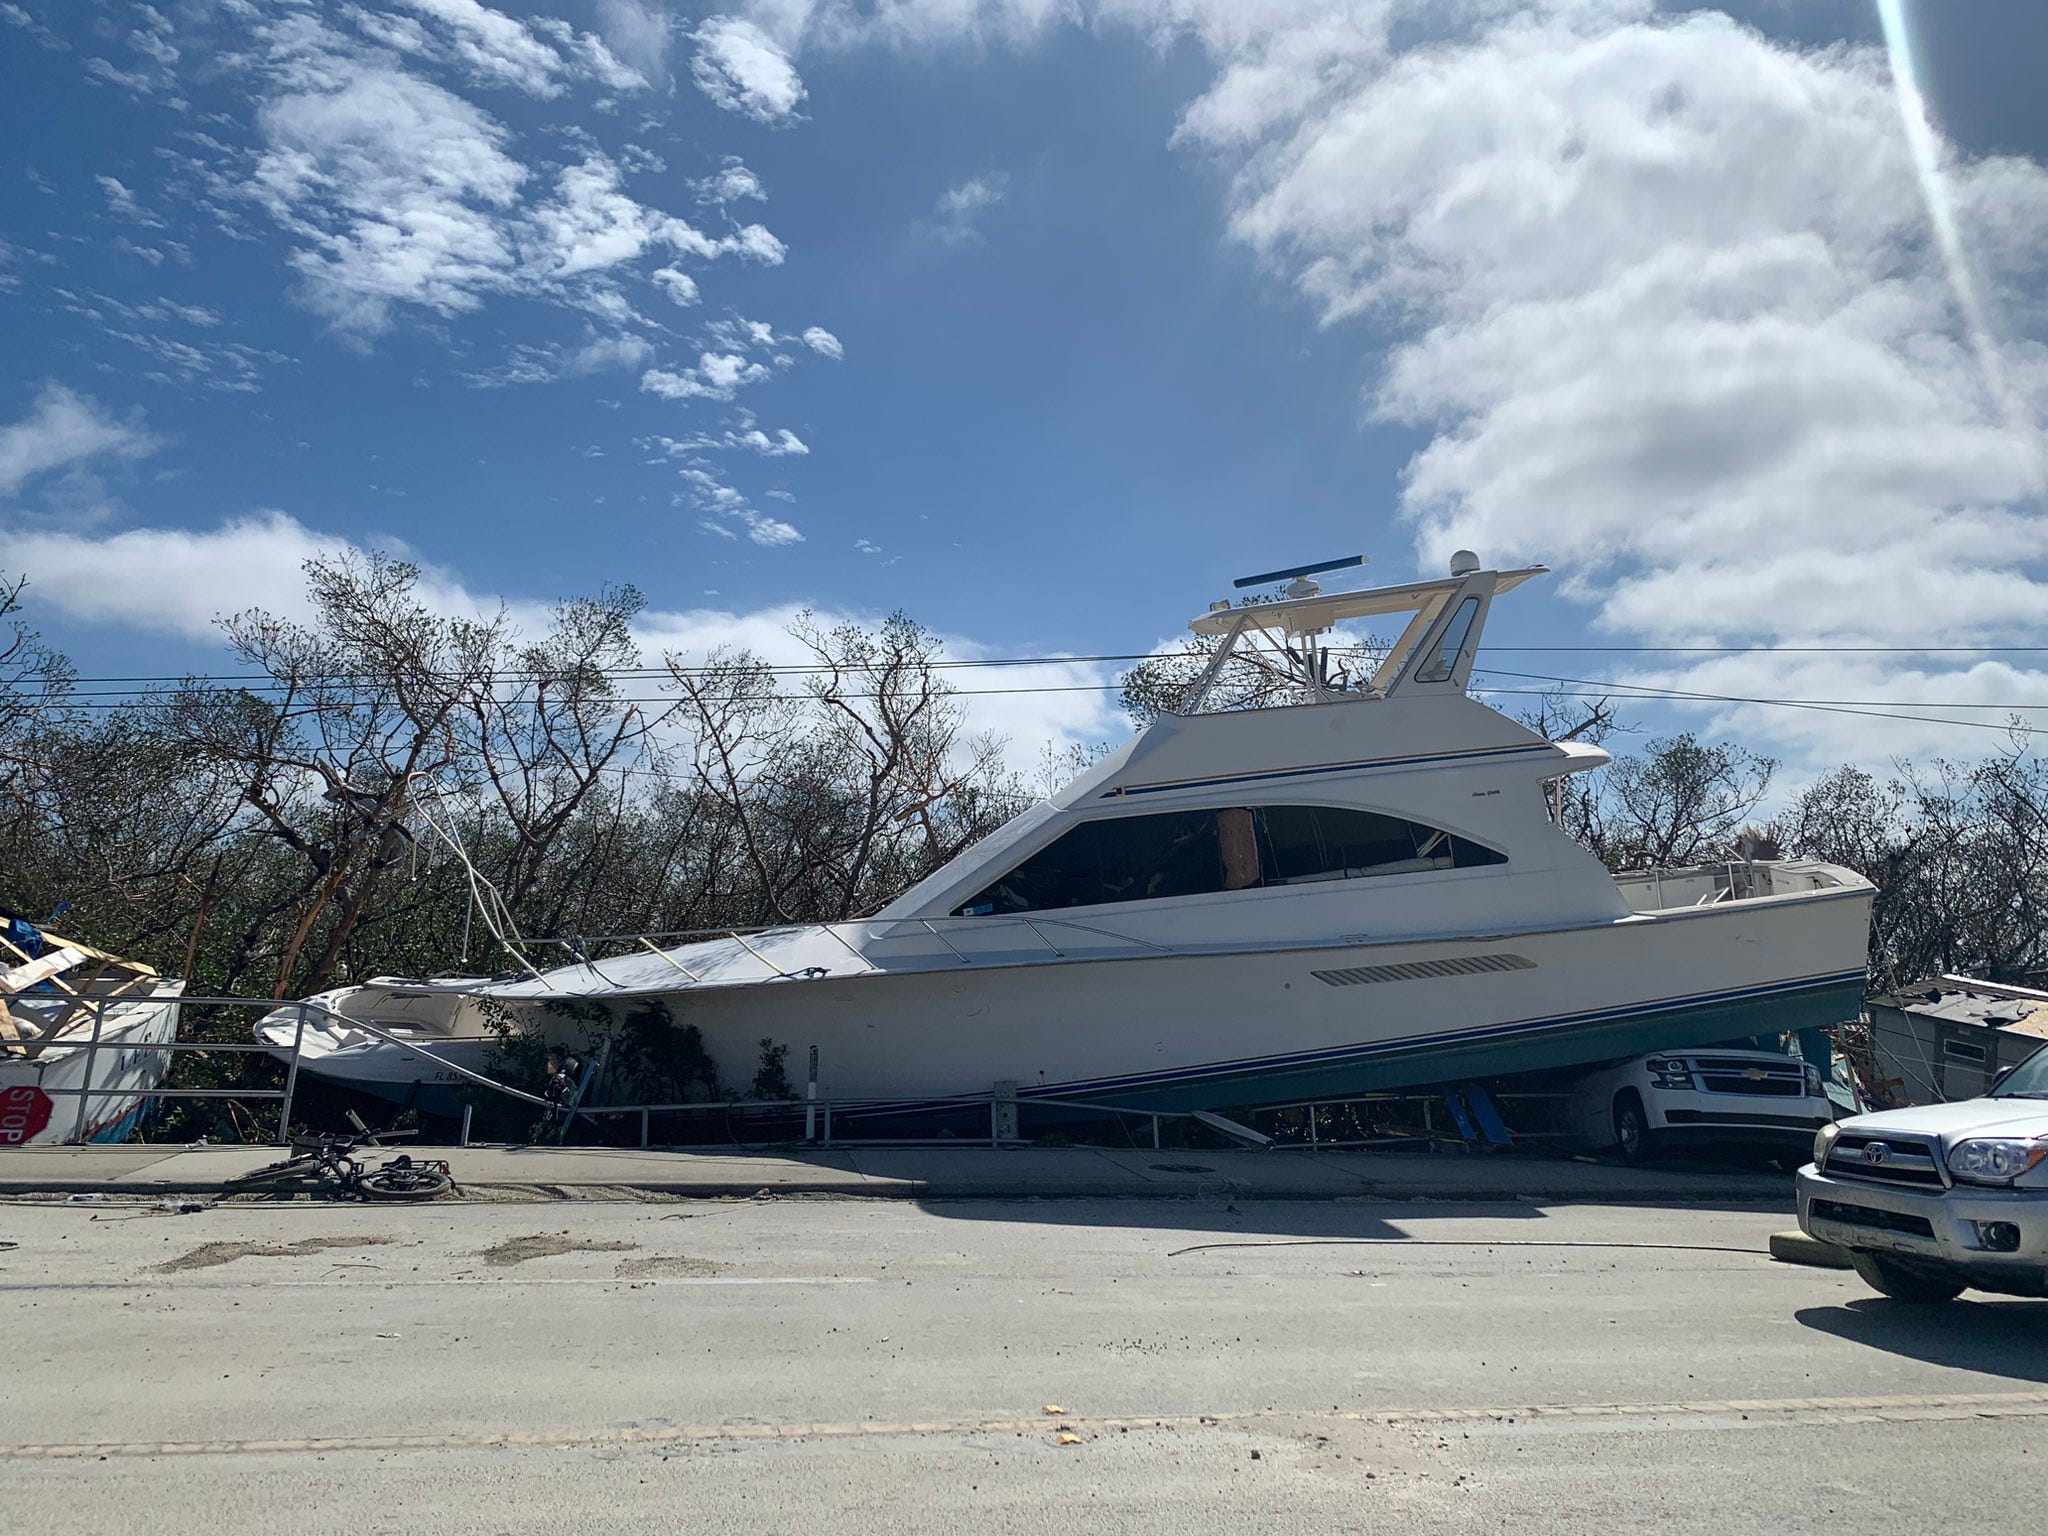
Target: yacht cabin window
1201 853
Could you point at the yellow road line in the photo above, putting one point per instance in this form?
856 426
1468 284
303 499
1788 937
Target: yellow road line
1829 1410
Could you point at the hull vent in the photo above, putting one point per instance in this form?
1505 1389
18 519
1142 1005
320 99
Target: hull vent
1422 970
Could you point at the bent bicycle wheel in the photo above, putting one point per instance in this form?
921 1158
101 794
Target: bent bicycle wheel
405 1184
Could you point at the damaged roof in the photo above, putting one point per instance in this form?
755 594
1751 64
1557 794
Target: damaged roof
1961 1000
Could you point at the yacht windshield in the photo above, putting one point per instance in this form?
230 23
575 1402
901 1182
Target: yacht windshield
1200 853
1445 662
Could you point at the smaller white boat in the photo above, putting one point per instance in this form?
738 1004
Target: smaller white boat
333 1044
81 1037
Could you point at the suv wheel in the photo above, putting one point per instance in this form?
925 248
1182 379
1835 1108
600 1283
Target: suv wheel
1891 1279
1631 1126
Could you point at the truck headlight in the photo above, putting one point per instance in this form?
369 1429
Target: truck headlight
1671 1072
1815 1086
1823 1139
1994 1159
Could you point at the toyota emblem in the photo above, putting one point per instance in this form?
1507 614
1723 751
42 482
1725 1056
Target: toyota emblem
1876 1152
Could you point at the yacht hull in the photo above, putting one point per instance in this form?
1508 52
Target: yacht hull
1178 1031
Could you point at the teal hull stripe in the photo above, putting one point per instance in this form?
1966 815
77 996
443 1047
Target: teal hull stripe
1299 773
1815 987
1263 1064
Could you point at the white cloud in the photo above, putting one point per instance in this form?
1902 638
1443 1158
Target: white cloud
676 283
956 217
755 243
743 69
496 48
62 429
823 342
122 204
728 510
15 16
746 437
733 183
781 445
544 365
399 187
601 353
717 376
1661 297
771 531
591 224
1672 317
638 33
180 582
402 192
170 581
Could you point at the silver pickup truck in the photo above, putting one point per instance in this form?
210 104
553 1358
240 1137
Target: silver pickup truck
1931 1200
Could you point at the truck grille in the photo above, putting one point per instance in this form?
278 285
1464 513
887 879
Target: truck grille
1895 1160
1870 1216
1722 1074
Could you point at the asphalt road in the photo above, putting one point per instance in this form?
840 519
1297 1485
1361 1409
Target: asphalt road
835 1366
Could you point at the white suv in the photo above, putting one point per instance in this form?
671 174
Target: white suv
1733 1099
1932 1199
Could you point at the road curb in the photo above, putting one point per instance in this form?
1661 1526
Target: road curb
1227 1190
1798 1248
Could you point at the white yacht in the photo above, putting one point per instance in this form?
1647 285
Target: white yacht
1362 890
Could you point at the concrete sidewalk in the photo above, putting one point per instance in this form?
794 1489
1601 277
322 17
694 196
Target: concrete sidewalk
936 1173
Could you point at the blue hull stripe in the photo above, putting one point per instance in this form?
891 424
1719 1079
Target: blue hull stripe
1299 773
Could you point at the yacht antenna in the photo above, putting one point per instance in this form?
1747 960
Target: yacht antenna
1300 579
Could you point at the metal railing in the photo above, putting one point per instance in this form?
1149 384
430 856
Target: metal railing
824 1117
819 1116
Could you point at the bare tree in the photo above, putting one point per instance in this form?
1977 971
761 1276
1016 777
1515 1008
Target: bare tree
1959 856
359 708
845 788
1679 802
546 733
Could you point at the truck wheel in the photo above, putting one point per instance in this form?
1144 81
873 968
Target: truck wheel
1901 1284
1631 1126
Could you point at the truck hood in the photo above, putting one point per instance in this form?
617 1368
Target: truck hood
1950 1123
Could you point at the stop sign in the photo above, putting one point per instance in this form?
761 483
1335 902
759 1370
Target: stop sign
24 1111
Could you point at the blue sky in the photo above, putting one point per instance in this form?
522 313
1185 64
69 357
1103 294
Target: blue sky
1041 321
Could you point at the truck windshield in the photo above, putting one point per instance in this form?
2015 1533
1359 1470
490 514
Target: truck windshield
2029 1079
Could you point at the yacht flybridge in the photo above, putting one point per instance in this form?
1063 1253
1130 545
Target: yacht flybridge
1361 889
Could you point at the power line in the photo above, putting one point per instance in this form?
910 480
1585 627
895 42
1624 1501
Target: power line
1874 709
798 669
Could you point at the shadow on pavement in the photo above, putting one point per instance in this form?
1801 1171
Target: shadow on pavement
1211 1214
1996 1338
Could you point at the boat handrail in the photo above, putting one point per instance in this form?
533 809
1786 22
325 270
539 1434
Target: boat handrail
736 930
742 934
